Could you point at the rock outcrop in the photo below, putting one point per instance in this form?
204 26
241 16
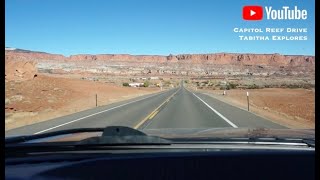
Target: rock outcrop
183 64
20 70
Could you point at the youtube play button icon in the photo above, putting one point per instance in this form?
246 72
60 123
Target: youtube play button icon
252 13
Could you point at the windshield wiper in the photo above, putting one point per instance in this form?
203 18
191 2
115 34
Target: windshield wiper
247 140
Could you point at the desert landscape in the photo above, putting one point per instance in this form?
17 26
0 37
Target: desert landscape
40 86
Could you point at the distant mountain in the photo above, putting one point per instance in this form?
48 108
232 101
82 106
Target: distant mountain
221 64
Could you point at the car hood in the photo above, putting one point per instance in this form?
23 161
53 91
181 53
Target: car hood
200 133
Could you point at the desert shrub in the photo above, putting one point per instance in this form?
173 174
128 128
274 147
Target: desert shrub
167 82
308 86
146 84
232 86
254 86
291 86
294 86
125 84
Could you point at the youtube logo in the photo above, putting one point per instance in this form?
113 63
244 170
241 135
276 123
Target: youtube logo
252 13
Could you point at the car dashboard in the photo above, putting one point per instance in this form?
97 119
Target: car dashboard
184 163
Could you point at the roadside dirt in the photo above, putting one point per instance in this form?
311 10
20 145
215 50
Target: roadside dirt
294 108
44 98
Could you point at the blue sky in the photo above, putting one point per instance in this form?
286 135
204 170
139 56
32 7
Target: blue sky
146 26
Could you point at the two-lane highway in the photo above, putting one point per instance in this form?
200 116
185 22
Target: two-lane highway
175 108
125 113
186 111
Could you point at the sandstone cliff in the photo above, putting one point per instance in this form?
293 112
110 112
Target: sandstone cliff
182 64
218 58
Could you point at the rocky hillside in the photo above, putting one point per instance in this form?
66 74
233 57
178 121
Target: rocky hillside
182 64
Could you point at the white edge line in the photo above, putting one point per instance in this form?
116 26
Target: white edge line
246 110
94 114
219 114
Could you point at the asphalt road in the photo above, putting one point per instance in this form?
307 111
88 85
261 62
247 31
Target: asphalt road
175 108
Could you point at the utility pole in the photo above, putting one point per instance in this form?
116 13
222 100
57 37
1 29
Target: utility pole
225 86
96 100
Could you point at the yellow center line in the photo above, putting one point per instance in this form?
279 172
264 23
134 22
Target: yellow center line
154 112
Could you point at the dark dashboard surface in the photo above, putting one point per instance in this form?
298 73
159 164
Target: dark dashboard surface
171 165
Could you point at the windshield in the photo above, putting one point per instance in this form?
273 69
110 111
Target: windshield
161 67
